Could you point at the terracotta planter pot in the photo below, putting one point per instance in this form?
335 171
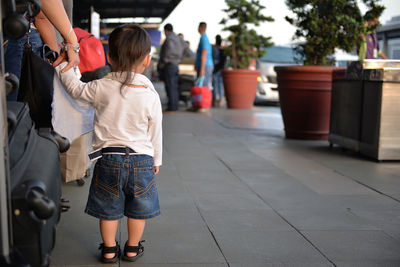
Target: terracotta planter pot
240 87
305 100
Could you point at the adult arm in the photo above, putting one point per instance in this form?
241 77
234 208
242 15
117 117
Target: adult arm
46 31
203 62
55 12
382 55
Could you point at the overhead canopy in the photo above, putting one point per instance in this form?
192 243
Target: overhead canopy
122 9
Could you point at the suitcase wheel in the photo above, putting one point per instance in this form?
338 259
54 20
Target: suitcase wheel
80 182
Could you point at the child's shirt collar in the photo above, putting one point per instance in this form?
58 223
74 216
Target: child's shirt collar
136 79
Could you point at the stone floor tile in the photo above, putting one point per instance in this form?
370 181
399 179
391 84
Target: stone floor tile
245 220
229 202
267 247
323 219
356 245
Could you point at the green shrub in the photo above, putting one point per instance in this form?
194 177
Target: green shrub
328 24
245 43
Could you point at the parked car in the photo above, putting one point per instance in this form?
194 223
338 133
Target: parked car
267 86
343 58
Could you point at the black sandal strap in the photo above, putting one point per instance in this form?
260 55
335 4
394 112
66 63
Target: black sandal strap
134 249
105 249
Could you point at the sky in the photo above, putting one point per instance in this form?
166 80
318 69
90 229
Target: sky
186 16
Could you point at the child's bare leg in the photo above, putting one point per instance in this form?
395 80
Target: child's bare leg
135 232
108 230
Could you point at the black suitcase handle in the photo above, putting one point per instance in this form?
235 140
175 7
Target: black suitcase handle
32 194
42 206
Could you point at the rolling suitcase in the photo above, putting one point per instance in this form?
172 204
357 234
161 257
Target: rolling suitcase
35 183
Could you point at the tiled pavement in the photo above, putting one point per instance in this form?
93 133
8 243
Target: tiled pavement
235 192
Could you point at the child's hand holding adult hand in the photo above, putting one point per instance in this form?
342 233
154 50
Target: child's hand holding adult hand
69 52
62 57
71 56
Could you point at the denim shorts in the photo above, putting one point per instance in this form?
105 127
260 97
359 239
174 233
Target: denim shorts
123 185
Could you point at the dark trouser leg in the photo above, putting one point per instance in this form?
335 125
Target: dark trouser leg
171 73
13 51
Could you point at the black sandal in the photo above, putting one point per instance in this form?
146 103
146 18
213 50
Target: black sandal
139 249
105 250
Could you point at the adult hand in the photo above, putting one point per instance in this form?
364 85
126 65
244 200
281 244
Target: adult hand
71 56
200 81
156 169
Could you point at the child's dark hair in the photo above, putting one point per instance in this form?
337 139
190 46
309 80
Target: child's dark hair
128 46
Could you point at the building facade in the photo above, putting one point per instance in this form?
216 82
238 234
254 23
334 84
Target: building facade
389 38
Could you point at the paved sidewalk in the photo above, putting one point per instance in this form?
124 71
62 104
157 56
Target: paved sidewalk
235 192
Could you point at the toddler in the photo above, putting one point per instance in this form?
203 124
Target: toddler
127 141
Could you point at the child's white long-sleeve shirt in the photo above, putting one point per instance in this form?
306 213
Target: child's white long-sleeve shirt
131 116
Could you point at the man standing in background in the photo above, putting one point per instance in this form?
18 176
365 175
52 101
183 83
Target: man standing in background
170 56
219 64
369 48
204 60
104 39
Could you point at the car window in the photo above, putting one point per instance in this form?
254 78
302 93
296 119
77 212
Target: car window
280 54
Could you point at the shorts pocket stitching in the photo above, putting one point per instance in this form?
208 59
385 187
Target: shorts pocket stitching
145 191
108 189
104 190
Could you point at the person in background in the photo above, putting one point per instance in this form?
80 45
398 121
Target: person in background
369 48
219 63
104 38
187 52
204 61
127 142
170 56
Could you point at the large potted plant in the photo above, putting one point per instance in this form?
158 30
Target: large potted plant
305 91
245 46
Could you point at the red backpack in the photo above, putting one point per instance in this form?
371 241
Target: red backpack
91 54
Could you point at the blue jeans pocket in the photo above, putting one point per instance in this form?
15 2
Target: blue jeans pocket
144 182
107 182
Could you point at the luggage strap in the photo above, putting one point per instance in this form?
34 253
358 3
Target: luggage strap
111 150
